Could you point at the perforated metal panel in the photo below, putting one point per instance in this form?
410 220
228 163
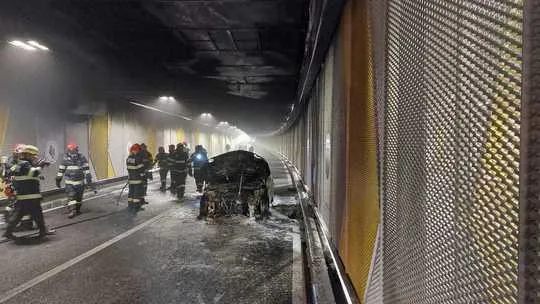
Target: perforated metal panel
529 228
374 290
451 151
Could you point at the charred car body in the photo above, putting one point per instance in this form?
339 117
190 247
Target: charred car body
237 182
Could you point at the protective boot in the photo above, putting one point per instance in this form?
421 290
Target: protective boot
75 211
67 209
47 231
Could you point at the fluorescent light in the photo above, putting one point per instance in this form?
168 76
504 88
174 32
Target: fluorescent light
22 45
38 45
167 99
158 110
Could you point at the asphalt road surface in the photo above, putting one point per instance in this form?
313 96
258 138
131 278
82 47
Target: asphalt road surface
161 255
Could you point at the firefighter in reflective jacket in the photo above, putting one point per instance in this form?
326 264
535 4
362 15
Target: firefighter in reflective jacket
198 159
179 166
26 222
75 171
148 162
162 161
25 180
136 178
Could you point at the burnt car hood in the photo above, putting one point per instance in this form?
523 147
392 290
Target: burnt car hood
229 167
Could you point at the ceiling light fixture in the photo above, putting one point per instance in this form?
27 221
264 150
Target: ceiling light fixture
37 45
167 99
22 45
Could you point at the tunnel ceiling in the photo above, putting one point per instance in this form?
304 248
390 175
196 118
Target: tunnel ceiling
239 59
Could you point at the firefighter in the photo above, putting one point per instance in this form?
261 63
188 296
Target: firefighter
162 161
148 164
136 177
26 222
172 148
25 178
75 171
198 160
186 147
179 166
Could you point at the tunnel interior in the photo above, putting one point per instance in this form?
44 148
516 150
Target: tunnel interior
401 136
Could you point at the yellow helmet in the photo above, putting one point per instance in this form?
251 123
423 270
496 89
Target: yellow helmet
29 149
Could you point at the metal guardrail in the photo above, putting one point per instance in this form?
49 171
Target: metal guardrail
58 191
343 289
101 182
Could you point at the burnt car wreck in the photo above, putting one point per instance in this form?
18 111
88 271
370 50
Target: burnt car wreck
237 182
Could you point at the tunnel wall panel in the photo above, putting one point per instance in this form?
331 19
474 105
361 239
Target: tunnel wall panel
338 135
99 145
425 147
529 251
4 118
104 136
51 143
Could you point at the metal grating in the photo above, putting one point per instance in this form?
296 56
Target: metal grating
529 278
450 158
374 290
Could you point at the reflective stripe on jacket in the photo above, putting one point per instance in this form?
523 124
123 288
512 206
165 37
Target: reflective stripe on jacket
74 168
135 168
25 180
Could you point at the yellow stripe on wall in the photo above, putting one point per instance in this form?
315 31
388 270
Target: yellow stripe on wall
110 167
152 139
197 137
180 135
99 145
4 119
362 210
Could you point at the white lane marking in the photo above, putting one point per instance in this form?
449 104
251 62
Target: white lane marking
298 285
35 281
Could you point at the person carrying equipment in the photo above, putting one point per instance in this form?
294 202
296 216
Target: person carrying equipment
179 166
148 162
75 171
24 175
198 160
7 162
172 149
162 161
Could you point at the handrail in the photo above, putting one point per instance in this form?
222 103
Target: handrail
346 290
100 182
